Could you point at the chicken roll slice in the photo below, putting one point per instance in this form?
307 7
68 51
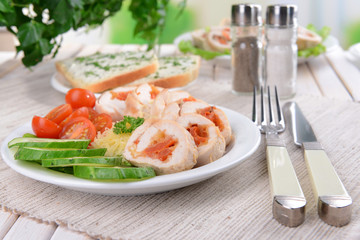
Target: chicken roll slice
208 139
216 115
165 102
113 102
146 93
163 145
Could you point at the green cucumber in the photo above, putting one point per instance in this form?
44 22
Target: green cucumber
68 170
29 135
86 161
114 173
31 153
49 143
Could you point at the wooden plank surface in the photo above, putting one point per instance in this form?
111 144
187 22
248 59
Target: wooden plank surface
327 79
348 73
29 229
63 233
7 220
306 84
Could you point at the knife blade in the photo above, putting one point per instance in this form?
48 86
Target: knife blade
333 201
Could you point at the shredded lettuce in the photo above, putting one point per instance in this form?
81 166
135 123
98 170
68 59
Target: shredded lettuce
318 49
188 47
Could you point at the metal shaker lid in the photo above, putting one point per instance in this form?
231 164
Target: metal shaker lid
281 15
246 14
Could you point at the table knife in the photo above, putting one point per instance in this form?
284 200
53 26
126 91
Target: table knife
333 201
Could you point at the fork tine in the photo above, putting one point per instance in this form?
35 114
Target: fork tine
281 121
254 110
263 116
271 112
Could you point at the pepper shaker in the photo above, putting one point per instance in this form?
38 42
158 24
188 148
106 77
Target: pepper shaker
280 49
246 47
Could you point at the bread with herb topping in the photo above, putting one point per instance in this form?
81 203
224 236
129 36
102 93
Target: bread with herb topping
100 71
176 71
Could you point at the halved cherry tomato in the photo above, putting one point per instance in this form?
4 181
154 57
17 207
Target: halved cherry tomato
44 128
102 121
78 97
58 114
92 113
80 112
78 128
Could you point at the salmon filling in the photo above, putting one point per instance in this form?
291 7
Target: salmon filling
189 99
199 134
120 95
212 116
161 149
154 92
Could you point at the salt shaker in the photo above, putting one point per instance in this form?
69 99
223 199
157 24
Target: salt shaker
280 50
246 47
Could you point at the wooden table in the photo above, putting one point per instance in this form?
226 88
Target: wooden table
329 75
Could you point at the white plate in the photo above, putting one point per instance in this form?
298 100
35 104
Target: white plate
221 61
246 141
225 61
62 86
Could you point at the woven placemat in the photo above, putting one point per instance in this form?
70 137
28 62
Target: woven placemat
232 205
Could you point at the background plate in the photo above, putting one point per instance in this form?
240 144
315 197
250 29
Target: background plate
246 139
225 61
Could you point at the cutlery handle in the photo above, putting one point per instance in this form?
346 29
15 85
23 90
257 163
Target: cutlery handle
333 201
288 198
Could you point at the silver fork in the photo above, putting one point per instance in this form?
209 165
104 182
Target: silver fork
288 198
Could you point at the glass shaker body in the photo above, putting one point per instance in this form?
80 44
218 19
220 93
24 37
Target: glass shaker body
246 58
280 54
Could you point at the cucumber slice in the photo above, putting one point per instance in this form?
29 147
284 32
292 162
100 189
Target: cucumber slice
30 153
29 135
86 161
114 173
49 143
68 170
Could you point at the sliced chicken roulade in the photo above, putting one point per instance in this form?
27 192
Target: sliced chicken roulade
207 137
216 115
166 104
163 145
113 102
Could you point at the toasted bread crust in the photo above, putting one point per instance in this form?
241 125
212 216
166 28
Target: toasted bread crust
174 81
112 82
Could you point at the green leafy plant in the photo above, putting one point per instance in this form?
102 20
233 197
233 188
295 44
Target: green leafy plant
37 24
128 124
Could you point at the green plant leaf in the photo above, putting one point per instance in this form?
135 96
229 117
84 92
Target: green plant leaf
45 46
77 4
30 33
63 12
5 6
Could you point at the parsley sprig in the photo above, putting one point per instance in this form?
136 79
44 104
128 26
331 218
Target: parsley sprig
128 124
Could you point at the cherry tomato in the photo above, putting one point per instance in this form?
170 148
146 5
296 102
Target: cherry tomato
58 114
78 97
80 112
78 128
92 114
102 121
44 128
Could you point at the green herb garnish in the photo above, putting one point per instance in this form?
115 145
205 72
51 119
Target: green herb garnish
128 124
187 47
